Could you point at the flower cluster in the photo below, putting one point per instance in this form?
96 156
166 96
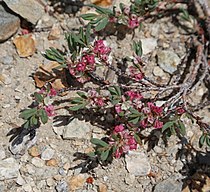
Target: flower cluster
124 141
135 73
150 113
128 18
47 94
96 99
87 62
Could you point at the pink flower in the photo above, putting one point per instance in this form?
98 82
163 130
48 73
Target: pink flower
89 59
112 19
146 110
72 71
133 22
81 66
155 109
99 101
158 124
100 48
119 128
144 123
180 110
43 90
118 153
52 92
135 73
134 95
49 110
118 108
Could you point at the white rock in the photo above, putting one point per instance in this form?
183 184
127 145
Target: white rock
168 61
47 154
50 182
30 169
77 130
58 130
148 45
158 72
2 154
137 163
9 169
27 187
28 9
20 180
37 162
129 179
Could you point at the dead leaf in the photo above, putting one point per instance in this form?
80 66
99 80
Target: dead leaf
103 3
34 151
55 32
50 74
76 182
25 45
52 162
102 187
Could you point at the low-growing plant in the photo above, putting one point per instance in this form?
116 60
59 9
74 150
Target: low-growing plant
131 110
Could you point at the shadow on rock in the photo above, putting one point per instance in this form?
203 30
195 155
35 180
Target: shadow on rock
196 169
21 139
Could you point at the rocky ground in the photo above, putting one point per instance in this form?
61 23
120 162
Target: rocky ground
49 160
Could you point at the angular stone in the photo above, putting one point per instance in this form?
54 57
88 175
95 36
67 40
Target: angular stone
28 9
37 162
9 24
168 61
148 45
137 163
9 169
62 186
47 154
77 130
168 186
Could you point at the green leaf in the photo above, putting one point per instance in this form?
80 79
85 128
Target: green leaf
101 10
208 140
112 91
26 125
104 155
77 107
202 140
77 100
99 142
137 139
182 127
27 113
91 154
43 116
39 98
88 16
33 120
82 94
135 120
77 39
167 125
118 91
87 34
102 24
54 55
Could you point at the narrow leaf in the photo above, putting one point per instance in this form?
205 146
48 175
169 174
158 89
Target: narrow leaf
99 142
104 155
167 125
43 116
202 140
102 24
